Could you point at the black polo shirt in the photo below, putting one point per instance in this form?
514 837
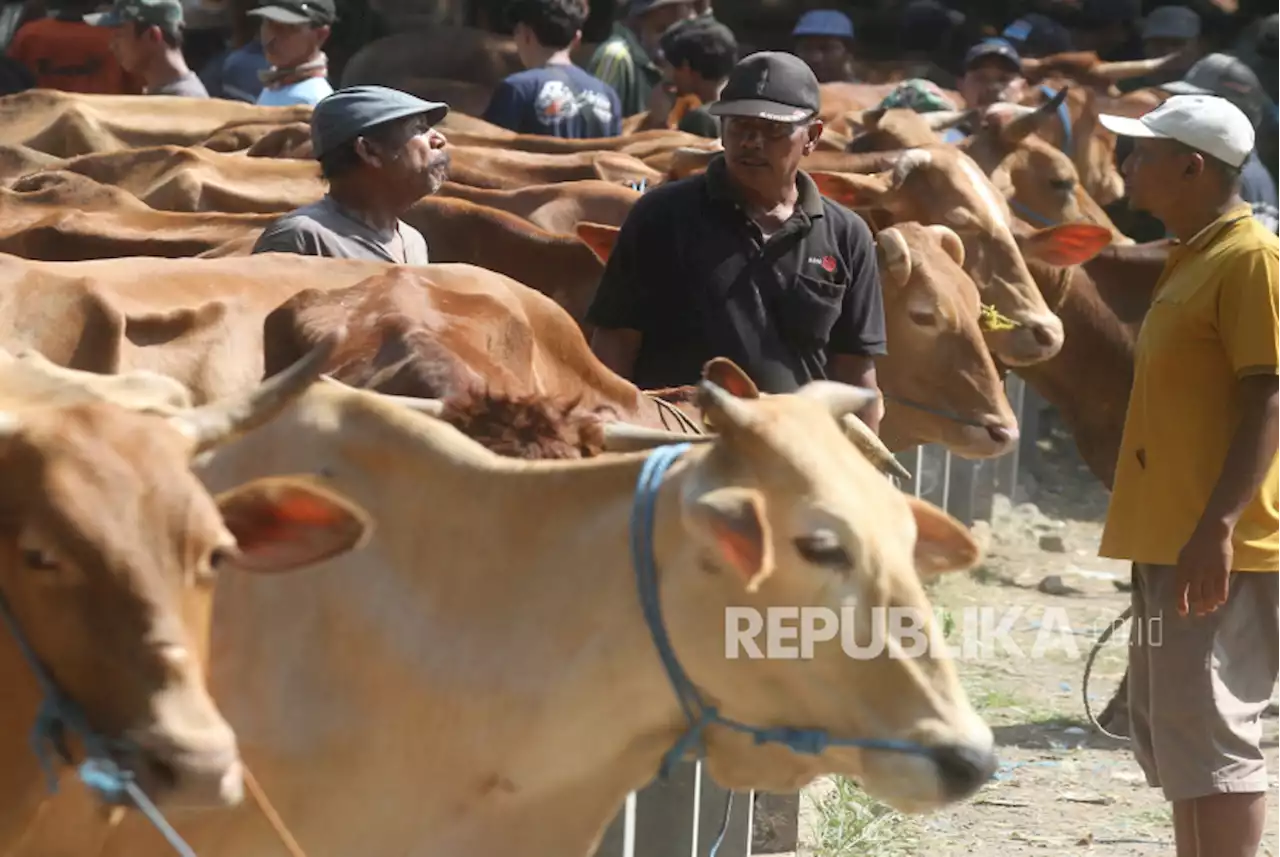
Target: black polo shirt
692 273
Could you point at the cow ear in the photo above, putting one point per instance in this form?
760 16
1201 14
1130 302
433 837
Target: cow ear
725 373
600 238
282 523
1066 245
732 522
852 190
942 543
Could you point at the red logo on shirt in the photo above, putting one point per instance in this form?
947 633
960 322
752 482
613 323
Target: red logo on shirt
829 263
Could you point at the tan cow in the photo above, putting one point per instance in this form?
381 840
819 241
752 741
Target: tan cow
66 124
939 381
415 699
110 550
941 185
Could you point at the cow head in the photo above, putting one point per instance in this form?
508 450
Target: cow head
109 547
1041 183
941 185
1092 148
780 512
938 356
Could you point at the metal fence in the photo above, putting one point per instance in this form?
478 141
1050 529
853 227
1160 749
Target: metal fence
683 815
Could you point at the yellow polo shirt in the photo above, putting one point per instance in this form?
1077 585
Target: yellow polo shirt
1212 321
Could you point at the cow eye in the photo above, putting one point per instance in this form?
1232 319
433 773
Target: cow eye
37 560
1062 184
822 547
924 318
219 557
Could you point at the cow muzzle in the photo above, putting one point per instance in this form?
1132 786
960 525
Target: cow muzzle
1034 340
193 766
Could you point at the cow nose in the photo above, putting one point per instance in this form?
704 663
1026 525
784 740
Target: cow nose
1044 335
1002 433
963 768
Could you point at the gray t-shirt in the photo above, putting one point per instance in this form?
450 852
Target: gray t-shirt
189 85
324 229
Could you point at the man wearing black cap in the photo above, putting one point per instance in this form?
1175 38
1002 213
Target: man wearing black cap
380 153
293 35
747 261
992 73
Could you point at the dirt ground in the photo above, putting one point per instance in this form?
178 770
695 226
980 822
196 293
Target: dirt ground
1062 788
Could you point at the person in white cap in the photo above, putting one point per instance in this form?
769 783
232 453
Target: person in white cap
1194 506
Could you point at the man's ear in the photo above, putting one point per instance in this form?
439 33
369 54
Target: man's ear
815 134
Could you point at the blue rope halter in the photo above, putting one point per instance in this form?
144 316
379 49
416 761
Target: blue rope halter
697 712
58 715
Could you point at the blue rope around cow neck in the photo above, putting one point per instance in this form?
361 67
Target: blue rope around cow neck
698 714
59 715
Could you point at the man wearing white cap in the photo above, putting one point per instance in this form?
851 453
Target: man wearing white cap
1194 506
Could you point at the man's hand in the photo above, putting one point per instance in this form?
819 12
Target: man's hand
1204 570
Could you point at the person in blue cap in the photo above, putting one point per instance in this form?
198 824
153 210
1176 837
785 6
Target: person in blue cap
380 152
823 38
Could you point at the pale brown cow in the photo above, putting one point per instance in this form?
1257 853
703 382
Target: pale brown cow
444 643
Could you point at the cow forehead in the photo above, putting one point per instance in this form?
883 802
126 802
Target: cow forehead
948 169
109 481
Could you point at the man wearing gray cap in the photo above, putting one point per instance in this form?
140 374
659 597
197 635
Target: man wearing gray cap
1167 30
146 39
380 153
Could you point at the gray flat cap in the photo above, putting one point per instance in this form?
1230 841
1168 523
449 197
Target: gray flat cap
1171 22
349 112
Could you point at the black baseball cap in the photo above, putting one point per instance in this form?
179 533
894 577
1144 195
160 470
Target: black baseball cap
314 12
772 85
993 48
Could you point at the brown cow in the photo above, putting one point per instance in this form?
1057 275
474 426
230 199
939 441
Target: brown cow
555 207
939 381
111 545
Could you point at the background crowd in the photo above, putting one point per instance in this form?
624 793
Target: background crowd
667 57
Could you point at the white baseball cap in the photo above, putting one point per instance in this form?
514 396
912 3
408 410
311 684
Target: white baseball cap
1206 123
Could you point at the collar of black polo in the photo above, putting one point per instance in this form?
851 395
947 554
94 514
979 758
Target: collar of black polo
719 187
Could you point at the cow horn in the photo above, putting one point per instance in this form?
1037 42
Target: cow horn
722 406
628 437
221 421
897 256
430 407
950 241
839 398
870 445
1025 124
1122 70
941 120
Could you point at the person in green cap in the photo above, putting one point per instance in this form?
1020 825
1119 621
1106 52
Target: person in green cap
147 42
380 152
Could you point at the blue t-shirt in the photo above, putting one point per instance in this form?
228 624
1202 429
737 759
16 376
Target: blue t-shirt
556 101
307 91
240 72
